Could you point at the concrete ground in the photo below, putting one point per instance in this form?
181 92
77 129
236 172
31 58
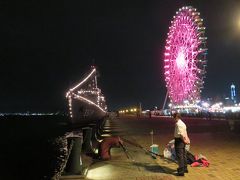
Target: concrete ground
212 138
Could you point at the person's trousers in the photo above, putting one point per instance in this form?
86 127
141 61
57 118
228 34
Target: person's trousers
181 155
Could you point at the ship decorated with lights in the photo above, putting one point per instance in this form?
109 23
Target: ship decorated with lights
86 101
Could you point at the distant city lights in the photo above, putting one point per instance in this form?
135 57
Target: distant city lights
129 110
29 114
203 106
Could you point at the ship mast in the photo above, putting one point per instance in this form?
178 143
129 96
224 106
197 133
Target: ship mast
96 78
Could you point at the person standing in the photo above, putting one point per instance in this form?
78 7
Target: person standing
181 139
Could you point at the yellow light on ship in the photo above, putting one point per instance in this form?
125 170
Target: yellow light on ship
126 110
131 110
135 109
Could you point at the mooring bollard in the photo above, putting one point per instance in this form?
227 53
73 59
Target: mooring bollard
87 140
95 135
74 164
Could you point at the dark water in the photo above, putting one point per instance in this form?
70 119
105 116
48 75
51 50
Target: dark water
32 147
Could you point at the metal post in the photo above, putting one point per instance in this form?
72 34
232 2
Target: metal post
140 109
165 100
151 136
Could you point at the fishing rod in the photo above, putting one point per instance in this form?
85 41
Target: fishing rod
124 149
139 146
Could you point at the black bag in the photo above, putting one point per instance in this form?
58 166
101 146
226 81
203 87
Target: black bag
190 158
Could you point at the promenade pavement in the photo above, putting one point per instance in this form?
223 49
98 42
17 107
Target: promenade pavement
212 138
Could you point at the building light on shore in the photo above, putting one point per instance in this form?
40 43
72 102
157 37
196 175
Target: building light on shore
205 104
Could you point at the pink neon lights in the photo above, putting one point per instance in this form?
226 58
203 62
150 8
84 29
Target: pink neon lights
185 56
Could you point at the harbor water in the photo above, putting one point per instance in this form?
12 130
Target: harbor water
32 147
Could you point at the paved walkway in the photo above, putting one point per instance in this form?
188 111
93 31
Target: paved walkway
212 139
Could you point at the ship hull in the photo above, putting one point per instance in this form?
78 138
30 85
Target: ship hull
85 113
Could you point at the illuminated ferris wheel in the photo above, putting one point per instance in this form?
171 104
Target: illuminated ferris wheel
185 56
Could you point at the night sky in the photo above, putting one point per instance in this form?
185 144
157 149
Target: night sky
46 47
